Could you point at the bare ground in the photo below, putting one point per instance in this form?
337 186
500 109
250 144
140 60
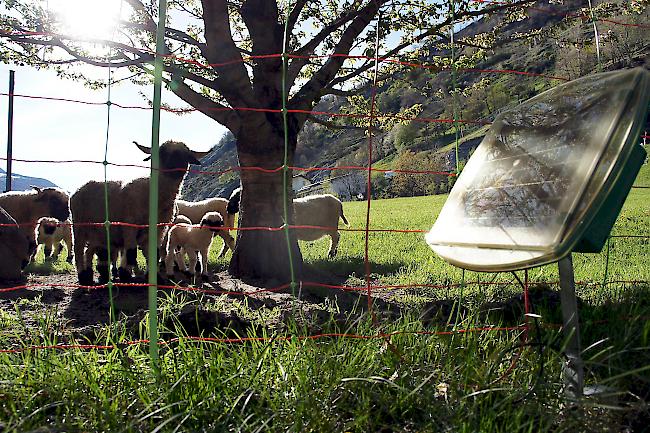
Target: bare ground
83 313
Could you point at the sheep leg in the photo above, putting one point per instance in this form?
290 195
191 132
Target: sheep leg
179 258
84 266
169 261
228 242
68 244
204 270
102 265
335 243
57 250
47 250
128 261
194 261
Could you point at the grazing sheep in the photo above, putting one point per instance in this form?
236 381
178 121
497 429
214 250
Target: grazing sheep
193 241
14 248
319 210
128 203
26 207
313 210
50 234
196 210
233 202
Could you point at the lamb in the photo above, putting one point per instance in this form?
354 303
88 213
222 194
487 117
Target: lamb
50 234
128 203
313 210
195 241
196 210
14 248
26 207
319 210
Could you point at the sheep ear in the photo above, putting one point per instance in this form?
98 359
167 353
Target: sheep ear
37 188
197 157
145 149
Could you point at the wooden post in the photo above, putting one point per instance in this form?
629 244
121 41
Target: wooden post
572 369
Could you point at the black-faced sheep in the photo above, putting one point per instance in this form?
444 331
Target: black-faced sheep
128 203
52 234
196 210
14 248
314 210
233 202
26 207
193 241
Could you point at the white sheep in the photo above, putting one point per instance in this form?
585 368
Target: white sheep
50 233
14 248
196 210
128 203
26 207
313 210
193 241
319 210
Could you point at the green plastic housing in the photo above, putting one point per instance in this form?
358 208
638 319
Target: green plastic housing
598 231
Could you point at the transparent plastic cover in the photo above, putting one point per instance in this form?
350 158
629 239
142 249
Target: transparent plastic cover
536 173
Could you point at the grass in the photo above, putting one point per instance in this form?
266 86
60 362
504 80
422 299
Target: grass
462 382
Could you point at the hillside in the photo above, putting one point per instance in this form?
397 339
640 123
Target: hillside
23 183
554 47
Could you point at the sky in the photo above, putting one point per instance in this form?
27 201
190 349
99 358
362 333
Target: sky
53 130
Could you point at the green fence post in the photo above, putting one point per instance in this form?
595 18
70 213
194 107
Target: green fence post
152 264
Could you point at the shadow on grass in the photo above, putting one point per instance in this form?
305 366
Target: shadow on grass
344 266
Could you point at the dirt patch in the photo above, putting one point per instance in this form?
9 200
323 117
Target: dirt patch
248 305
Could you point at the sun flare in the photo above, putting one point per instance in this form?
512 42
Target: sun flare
95 19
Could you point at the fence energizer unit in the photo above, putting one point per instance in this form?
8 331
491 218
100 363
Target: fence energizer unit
549 178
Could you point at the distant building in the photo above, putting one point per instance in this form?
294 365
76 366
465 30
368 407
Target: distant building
349 186
299 182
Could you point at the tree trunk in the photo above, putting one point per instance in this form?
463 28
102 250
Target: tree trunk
264 254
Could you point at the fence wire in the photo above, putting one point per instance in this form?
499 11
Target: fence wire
287 168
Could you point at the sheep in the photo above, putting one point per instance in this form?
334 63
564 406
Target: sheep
128 203
233 202
14 248
313 210
50 234
193 241
196 210
26 207
319 210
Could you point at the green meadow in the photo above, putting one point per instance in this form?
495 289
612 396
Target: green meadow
418 380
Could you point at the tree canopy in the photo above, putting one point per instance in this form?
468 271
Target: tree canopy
227 54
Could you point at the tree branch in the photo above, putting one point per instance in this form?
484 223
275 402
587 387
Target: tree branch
261 18
226 116
307 95
295 14
308 48
233 80
170 33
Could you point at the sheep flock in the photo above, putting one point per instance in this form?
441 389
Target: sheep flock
49 217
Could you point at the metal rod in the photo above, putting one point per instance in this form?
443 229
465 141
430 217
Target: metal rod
10 129
152 264
572 368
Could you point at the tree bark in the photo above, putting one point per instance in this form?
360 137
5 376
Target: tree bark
260 253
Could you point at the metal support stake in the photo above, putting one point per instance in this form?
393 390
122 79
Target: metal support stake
10 130
572 369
